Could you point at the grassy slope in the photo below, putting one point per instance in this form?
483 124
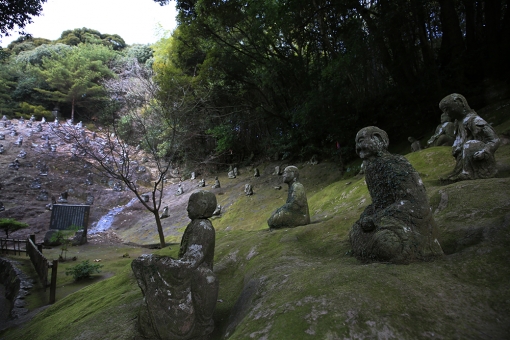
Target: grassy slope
300 283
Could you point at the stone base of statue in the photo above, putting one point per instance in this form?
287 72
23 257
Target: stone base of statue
169 310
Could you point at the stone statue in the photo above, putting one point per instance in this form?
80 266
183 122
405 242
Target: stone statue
2 150
475 144
180 190
22 154
63 197
90 179
231 174
248 190
217 211
314 160
398 226
445 133
236 173
42 196
164 214
180 294
2 136
216 183
415 144
277 170
256 173
295 211
192 175
201 183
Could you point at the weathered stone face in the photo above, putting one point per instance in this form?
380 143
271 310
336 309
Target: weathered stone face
201 204
180 294
398 226
475 142
370 142
295 211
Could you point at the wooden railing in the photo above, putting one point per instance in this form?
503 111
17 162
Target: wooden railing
9 245
42 265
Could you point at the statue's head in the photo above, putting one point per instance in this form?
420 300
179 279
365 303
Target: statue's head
201 204
371 142
411 139
455 105
445 118
290 174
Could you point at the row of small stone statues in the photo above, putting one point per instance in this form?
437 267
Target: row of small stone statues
398 226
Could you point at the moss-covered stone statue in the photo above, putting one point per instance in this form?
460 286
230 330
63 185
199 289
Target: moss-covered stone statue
475 142
180 294
398 226
445 133
295 212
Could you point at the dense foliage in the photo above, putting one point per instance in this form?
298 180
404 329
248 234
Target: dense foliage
299 76
10 225
17 14
83 270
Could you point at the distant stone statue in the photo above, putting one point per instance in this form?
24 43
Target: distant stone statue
43 120
256 173
180 294
216 183
19 141
90 179
201 183
231 174
42 196
2 136
32 118
445 133
180 190
277 171
22 154
248 189
398 226
63 197
90 199
192 175
145 197
117 186
217 211
14 165
2 150
295 211
415 144
314 160
475 144
236 172
164 214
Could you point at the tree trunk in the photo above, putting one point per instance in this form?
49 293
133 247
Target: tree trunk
160 229
452 43
72 111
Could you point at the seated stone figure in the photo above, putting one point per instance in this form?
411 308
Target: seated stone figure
201 183
216 183
231 174
180 190
180 294
415 144
445 133
475 144
295 211
248 189
398 226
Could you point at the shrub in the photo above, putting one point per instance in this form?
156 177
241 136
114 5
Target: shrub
83 270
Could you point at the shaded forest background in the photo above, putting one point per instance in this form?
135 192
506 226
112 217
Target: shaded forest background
241 80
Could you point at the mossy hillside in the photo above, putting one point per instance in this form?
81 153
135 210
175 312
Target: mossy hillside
300 283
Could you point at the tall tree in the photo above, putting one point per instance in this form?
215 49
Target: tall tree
75 75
